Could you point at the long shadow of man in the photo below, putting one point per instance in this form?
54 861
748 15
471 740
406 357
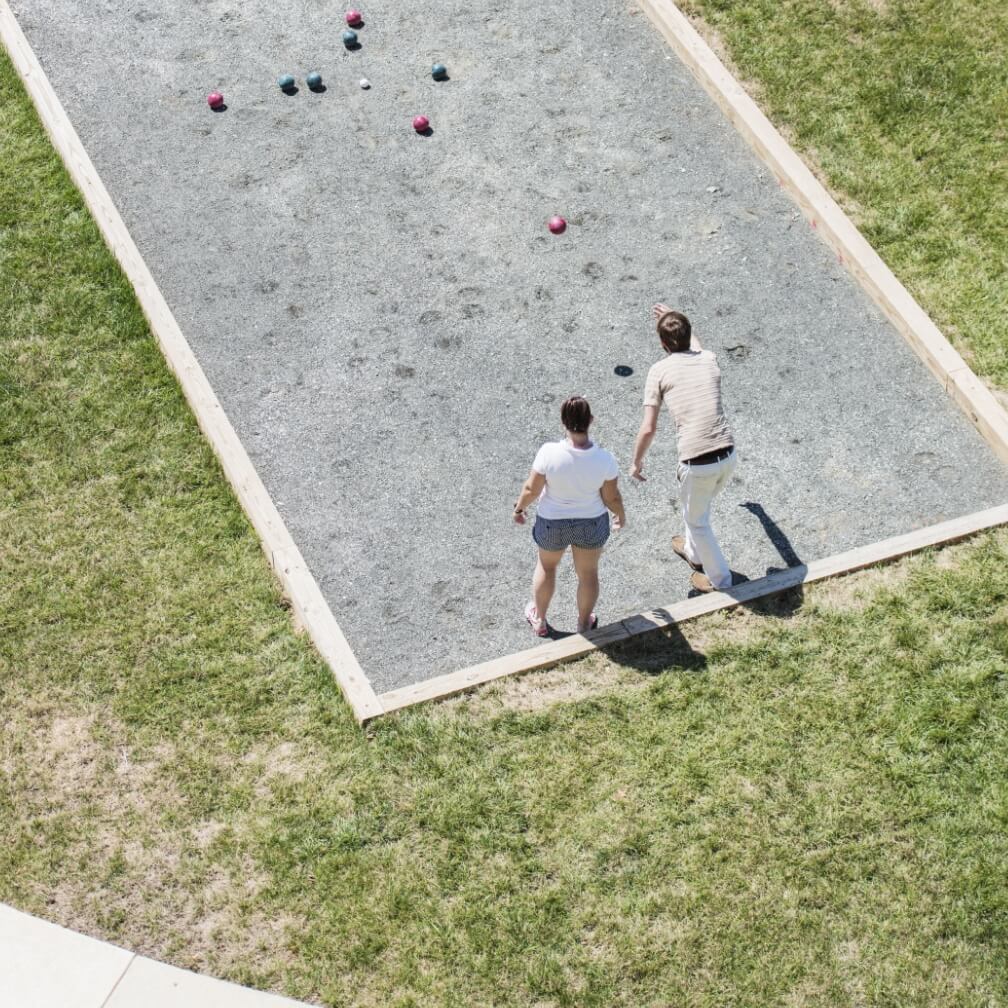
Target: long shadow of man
786 603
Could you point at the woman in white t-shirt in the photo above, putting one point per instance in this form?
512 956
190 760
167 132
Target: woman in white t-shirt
575 483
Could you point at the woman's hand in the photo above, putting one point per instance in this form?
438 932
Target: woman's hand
618 523
534 486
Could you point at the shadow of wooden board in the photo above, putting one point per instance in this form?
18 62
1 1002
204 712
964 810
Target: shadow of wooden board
310 607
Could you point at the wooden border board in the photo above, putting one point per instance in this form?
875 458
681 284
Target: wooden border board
679 611
309 606
833 225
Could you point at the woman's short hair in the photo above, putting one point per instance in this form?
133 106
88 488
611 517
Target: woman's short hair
576 414
675 331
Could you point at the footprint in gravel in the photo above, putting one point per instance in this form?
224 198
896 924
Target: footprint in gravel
593 270
739 353
430 317
402 371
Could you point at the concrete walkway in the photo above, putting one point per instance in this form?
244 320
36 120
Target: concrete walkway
43 965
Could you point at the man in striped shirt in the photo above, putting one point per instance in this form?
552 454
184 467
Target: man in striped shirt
688 382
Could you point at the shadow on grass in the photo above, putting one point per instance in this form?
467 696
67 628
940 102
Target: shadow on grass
656 652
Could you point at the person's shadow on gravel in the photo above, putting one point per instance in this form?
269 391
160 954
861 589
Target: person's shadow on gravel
785 603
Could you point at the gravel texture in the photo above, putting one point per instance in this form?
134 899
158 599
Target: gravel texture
392 328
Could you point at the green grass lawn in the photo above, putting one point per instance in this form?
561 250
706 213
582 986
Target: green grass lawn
804 805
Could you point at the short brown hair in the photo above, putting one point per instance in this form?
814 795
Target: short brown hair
576 414
675 331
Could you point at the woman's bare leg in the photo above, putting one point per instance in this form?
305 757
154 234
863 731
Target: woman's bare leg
544 580
586 563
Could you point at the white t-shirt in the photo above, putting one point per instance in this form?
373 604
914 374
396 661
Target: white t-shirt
574 477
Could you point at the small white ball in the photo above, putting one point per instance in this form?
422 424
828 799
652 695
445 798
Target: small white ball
365 83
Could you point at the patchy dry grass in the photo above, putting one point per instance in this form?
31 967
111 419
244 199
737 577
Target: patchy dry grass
806 804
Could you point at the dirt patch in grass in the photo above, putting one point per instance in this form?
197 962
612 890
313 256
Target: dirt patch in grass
125 832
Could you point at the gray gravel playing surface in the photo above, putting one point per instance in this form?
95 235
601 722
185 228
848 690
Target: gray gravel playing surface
392 329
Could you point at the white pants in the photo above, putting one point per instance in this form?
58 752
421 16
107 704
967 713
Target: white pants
698 486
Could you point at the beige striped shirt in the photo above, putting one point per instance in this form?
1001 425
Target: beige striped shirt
689 384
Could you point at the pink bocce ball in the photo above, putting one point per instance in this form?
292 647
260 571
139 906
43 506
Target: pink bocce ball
354 18
215 99
421 124
557 225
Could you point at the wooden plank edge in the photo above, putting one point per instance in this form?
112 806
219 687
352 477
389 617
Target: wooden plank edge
284 556
836 228
681 610
313 613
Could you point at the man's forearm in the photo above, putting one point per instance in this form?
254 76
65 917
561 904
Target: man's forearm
641 445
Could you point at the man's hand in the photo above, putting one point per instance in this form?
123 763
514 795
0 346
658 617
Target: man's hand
519 517
637 471
618 524
659 310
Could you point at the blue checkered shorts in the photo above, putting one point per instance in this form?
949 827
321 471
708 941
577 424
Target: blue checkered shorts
555 534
